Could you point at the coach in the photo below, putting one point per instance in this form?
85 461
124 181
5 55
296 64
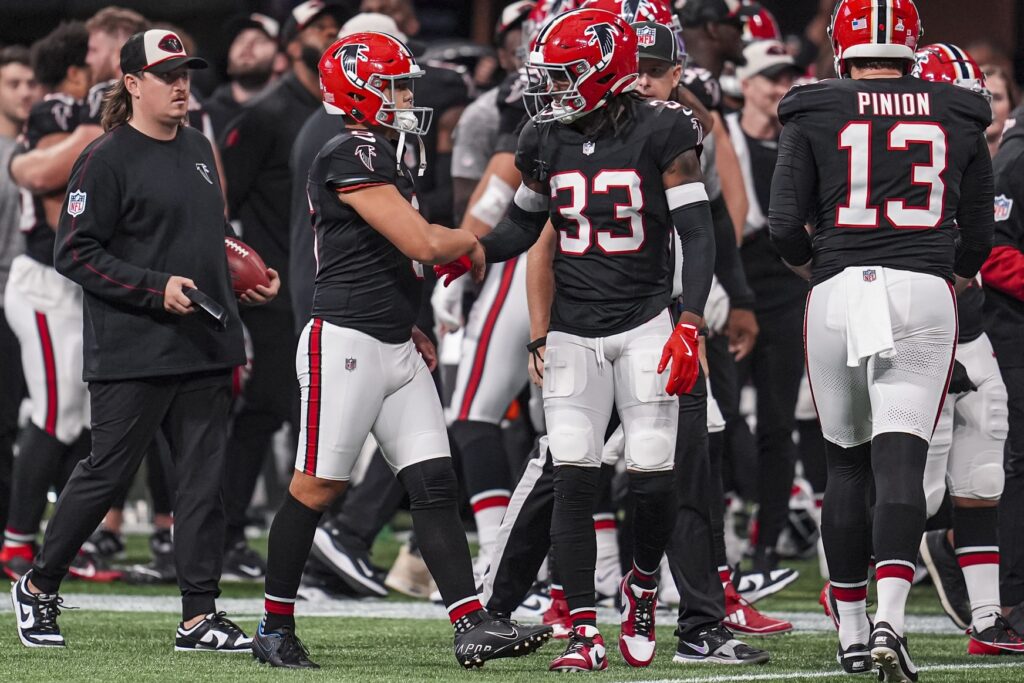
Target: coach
142 224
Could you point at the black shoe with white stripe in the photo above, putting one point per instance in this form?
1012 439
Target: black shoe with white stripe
716 645
855 659
215 633
752 586
281 649
947 577
890 654
242 563
36 616
481 637
351 564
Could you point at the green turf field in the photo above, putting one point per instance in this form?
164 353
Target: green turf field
138 646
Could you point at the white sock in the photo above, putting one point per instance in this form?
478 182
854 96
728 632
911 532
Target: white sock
981 574
894 578
852 607
488 510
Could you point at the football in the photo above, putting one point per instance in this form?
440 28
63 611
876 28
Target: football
247 268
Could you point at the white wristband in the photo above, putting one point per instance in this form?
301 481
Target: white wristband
683 195
528 200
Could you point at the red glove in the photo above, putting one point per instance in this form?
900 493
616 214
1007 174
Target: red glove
682 349
453 270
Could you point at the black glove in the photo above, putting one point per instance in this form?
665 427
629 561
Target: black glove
959 382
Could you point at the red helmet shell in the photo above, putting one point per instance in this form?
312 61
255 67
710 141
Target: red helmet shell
885 29
759 23
947 63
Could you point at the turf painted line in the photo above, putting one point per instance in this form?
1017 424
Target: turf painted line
822 674
803 622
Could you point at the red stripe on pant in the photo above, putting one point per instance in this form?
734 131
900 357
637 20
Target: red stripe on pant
313 402
485 338
50 368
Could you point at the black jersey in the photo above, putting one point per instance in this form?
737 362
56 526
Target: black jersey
56 113
885 171
511 111
704 86
92 108
612 267
362 281
970 311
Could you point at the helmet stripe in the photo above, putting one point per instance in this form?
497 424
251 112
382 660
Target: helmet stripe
880 26
960 60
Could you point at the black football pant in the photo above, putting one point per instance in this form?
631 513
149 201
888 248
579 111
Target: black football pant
776 367
1011 505
192 412
270 398
12 389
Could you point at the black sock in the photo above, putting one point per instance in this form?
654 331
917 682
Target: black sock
291 536
975 527
36 469
898 461
845 516
572 538
655 518
433 503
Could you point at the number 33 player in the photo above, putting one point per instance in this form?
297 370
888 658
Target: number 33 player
616 175
893 174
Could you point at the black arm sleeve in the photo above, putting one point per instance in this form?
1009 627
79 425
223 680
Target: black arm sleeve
974 214
514 234
728 266
697 234
793 187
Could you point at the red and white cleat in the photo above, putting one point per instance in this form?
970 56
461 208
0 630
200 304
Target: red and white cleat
557 617
585 652
636 639
742 617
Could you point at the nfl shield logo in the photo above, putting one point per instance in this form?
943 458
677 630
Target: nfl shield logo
76 203
350 364
869 275
646 36
1003 205
588 148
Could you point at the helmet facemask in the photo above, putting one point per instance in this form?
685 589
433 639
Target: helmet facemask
413 120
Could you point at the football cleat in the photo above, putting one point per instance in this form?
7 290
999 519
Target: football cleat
716 645
536 602
242 563
281 649
998 639
107 544
855 659
409 575
585 652
940 561
352 565
161 569
636 638
557 617
743 617
88 566
493 637
16 560
890 654
752 586
215 633
36 616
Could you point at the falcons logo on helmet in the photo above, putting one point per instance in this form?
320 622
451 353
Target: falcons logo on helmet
350 56
603 35
366 153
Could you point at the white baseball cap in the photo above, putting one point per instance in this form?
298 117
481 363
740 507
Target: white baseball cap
766 58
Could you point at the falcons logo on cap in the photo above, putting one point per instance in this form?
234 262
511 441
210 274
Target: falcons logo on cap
170 43
604 36
350 56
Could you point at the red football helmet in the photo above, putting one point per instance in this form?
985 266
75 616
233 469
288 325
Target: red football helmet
946 63
885 29
543 11
758 23
579 61
633 11
358 77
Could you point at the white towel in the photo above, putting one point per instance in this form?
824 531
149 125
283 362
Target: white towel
868 323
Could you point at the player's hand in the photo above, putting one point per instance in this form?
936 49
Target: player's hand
263 294
535 366
716 308
449 272
479 259
175 300
742 331
682 350
425 348
959 381
447 304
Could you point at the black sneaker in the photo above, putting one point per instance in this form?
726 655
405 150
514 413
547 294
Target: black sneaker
481 637
36 616
351 564
161 568
215 633
242 563
890 654
716 645
281 648
998 639
106 544
855 659
940 560
752 586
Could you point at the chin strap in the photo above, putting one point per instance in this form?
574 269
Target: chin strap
422 168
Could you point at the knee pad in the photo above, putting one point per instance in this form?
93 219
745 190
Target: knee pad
430 484
986 482
934 492
571 439
650 446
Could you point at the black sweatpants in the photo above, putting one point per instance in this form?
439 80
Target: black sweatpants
270 398
192 411
739 469
370 504
1011 505
12 389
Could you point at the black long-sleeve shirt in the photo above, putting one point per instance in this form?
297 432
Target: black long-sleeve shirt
138 211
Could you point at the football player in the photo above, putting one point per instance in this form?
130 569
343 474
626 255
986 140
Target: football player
893 174
966 451
603 155
360 360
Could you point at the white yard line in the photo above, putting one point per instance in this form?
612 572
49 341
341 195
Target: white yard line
833 673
